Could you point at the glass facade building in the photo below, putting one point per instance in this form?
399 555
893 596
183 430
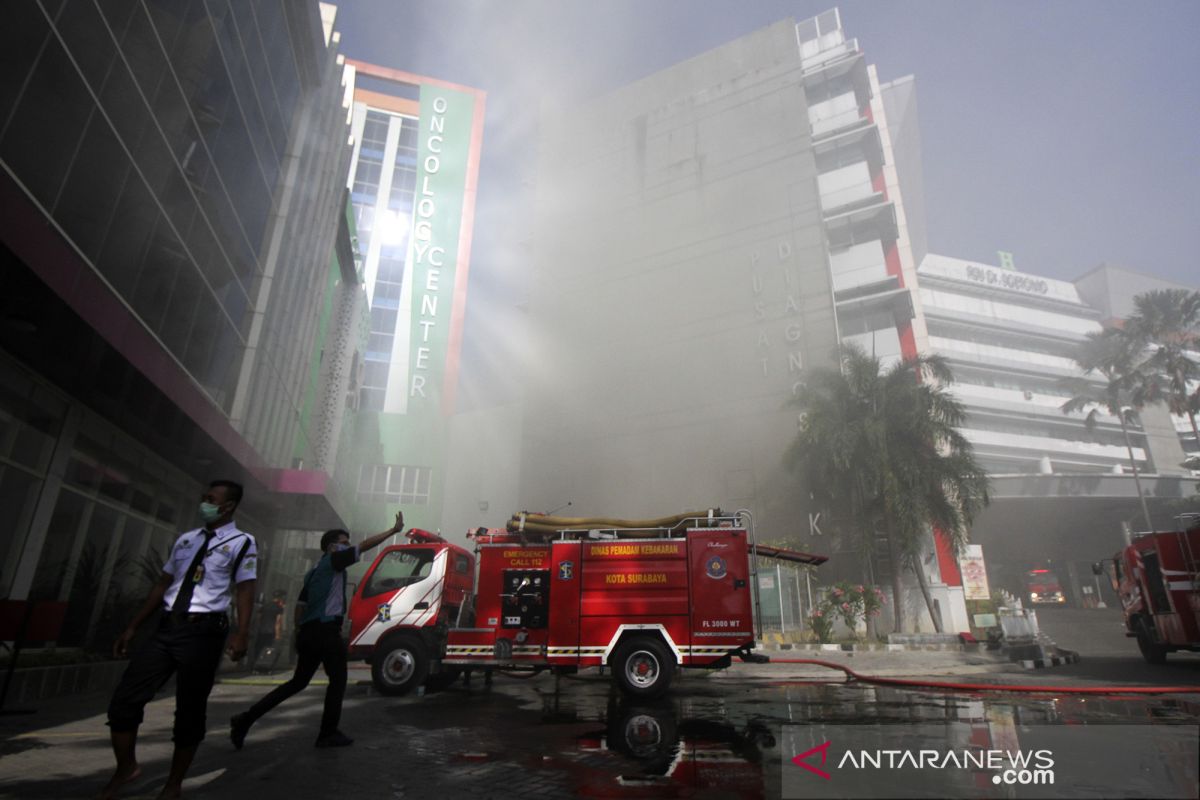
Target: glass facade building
179 289
412 183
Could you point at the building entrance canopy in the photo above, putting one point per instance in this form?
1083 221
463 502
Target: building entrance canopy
1075 517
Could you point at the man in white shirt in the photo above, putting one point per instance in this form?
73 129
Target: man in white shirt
192 598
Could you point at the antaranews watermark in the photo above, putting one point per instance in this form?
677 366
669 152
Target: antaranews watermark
989 758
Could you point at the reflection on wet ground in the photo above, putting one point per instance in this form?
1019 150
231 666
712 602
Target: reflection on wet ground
724 740
711 737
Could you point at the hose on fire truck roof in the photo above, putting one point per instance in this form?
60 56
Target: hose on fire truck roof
613 522
544 525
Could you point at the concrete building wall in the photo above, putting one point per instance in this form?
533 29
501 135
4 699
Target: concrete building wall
1111 289
1162 440
682 283
900 104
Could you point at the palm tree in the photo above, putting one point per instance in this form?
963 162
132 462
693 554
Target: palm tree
880 449
1168 321
1112 354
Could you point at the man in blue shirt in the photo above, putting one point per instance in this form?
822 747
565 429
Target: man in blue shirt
319 613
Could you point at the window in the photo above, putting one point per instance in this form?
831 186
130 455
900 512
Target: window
379 346
366 177
399 568
391 269
383 320
375 129
387 483
370 400
375 374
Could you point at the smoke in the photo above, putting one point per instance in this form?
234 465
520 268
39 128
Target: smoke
1005 117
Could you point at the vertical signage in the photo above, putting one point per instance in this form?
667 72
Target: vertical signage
443 150
974 573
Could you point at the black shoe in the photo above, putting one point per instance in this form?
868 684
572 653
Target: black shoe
335 739
238 728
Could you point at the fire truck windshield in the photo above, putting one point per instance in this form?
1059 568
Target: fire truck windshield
399 568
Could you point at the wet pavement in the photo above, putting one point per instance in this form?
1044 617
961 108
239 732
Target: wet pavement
715 736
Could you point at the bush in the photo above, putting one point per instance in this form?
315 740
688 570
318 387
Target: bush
822 626
852 603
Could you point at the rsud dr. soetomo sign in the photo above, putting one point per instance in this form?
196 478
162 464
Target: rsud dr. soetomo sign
1007 279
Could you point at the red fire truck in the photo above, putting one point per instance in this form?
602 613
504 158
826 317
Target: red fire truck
564 594
1042 588
1158 579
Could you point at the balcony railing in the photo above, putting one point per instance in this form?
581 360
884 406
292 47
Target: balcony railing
813 59
846 119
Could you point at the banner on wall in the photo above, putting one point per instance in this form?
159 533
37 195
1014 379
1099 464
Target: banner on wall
974 573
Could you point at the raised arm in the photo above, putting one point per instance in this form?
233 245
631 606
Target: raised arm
379 538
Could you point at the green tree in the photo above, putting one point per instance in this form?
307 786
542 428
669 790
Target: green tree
880 450
1113 355
1167 321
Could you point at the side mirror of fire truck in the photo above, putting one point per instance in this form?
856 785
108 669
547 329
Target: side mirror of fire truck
1098 568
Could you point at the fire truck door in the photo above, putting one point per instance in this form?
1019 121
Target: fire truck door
565 569
1160 602
720 594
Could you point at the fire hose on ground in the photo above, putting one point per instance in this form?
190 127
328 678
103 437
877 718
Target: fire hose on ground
988 687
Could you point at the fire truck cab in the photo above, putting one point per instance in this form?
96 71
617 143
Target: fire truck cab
406 602
1043 588
1157 577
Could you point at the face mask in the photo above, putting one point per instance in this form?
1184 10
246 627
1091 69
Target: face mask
209 512
343 547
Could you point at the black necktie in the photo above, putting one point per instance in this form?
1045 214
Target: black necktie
183 600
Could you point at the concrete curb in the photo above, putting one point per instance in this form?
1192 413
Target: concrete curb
1066 657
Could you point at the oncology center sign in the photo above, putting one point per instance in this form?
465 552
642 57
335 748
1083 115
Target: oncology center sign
440 244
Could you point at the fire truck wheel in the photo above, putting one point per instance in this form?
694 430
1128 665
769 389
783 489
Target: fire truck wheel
642 666
1153 653
400 665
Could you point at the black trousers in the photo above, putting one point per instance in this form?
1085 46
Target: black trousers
190 649
317 644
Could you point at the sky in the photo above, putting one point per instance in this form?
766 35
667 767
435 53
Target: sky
1067 133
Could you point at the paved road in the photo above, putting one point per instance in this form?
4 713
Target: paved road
1106 654
730 735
